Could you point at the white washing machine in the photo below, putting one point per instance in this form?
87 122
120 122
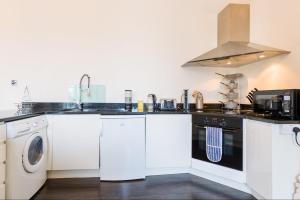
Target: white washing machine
26 170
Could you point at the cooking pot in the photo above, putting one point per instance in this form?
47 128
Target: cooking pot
231 85
230 95
230 104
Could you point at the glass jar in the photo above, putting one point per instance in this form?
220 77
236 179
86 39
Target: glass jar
128 100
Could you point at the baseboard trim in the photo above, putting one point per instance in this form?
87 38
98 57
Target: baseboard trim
227 182
73 174
166 171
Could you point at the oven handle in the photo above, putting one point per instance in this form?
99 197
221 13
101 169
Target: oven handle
227 128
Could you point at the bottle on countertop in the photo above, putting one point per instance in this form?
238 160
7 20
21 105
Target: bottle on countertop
128 100
140 106
185 101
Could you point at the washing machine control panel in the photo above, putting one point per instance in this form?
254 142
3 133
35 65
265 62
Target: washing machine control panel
26 126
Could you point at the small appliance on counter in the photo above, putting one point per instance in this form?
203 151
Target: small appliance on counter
198 100
152 103
185 101
168 104
278 103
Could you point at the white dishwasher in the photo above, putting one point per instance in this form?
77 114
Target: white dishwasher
122 147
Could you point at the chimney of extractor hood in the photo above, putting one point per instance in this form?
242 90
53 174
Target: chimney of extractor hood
234 24
234 48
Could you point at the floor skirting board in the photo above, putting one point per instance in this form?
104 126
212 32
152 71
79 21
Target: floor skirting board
221 180
73 174
166 171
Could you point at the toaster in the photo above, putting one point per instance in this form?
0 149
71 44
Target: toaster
168 104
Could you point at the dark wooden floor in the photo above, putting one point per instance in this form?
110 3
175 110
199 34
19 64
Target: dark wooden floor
180 186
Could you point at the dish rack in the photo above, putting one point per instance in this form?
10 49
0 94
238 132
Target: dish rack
24 108
231 92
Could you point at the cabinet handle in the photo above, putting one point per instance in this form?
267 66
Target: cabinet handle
3 182
4 142
4 162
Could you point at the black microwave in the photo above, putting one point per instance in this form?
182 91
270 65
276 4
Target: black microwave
278 103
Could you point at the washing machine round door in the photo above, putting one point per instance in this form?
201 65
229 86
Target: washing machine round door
34 152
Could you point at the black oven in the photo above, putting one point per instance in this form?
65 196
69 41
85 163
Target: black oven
232 130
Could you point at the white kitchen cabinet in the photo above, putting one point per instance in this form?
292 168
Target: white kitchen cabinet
2 160
74 141
168 141
122 147
272 159
259 157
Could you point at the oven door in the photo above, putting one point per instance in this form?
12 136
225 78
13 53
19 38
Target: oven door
232 156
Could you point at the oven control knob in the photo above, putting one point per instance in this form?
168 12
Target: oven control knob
206 121
223 123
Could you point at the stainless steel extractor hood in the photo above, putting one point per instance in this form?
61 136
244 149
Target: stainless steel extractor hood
234 48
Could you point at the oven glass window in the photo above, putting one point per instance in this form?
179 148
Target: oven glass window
228 144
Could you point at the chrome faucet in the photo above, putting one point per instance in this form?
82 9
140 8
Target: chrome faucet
79 103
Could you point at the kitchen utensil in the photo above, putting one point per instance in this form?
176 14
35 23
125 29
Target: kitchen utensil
198 99
231 85
250 97
250 94
230 95
231 105
151 103
231 76
168 104
250 100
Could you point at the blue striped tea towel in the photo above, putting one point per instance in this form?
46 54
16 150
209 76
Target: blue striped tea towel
214 144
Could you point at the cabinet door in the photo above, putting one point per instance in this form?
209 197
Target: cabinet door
2 190
2 160
168 141
259 157
75 142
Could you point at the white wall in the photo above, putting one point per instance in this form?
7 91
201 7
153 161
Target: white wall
274 23
123 44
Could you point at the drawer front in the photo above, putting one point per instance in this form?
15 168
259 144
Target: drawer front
2 133
2 173
2 152
2 190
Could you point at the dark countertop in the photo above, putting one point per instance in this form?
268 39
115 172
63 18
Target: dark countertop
11 115
248 114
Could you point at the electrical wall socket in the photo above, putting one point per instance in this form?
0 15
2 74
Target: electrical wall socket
14 82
